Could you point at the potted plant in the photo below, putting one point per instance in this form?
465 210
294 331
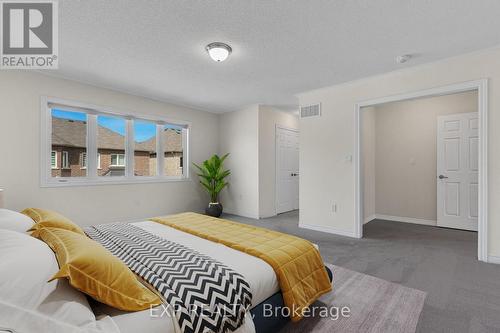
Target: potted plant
212 175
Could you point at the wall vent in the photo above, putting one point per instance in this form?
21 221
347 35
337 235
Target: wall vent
313 110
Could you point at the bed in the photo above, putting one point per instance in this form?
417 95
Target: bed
260 275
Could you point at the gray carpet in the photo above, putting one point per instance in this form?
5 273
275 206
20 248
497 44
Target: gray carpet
463 294
375 305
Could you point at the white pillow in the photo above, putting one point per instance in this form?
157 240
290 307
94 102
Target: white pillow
15 221
27 300
27 265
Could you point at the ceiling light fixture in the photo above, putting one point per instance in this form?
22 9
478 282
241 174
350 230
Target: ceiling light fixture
218 51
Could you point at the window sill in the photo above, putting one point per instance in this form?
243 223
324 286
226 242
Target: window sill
76 181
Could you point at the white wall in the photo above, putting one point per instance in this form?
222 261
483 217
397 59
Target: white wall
369 146
269 118
405 154
326 176
20 93
239 136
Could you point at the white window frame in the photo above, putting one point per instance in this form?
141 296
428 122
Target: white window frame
65 159
93 157
53 167
118 160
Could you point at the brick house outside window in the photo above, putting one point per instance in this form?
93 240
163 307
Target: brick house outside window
68 157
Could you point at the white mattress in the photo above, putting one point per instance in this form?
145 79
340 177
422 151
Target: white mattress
259 274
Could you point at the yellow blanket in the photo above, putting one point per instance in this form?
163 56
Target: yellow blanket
297 263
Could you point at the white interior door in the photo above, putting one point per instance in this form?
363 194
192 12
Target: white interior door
287 170
457 170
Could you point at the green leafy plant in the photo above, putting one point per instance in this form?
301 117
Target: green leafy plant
212 175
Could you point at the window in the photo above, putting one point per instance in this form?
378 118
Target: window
173 138
145 163
83 160
117 160
109 146
69 131
53 159
65 160
111 137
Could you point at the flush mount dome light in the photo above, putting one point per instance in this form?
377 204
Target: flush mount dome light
218 51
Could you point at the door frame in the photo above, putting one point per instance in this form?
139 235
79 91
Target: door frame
481 86
276 169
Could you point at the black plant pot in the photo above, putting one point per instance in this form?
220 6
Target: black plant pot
214 209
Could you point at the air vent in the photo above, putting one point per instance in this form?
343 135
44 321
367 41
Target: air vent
313 110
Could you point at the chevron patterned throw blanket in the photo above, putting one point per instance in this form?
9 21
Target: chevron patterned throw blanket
206 296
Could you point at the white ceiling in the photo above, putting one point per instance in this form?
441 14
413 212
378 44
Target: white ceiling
155 48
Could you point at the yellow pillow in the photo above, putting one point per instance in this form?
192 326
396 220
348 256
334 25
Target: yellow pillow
48 218
93 270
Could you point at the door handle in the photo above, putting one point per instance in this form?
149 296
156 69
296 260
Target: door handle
442 177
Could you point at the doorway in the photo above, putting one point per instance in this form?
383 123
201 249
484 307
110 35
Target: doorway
480 87
287 169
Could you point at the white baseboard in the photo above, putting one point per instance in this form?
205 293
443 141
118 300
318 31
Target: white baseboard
494 260
267 216
370 218
242 214
329 230
403 219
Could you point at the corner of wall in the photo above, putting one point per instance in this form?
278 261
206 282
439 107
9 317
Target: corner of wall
238 136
